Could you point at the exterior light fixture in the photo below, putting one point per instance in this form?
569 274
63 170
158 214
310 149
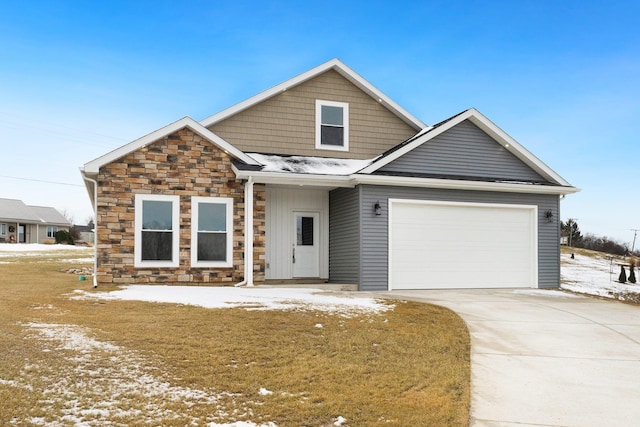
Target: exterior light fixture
377 209
549 215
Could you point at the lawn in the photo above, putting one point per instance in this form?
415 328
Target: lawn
83 358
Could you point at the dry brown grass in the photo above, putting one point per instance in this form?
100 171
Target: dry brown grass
167 364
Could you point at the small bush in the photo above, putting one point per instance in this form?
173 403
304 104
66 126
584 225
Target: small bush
623 275
64 237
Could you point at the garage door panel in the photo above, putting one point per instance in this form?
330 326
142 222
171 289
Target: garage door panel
458 245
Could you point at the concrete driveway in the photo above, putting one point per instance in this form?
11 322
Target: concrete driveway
547 358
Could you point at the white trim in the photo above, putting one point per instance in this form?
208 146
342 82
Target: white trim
345 125
94 166
334 64
175 223
491 129
453 184
533 218
228 202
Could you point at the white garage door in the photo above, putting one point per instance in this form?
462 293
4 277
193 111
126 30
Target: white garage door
445 245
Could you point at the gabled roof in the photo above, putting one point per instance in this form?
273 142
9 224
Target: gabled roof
334 64
50 215
483 123
94 166
18 211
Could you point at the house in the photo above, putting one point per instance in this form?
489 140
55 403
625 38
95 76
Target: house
325 177
85 232
20 223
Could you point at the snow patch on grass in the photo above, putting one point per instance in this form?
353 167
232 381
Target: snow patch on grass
257 298
99 383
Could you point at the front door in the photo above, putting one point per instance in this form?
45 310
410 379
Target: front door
306 253
22 235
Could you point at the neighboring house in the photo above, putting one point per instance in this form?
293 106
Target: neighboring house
20 223
325 177
85 232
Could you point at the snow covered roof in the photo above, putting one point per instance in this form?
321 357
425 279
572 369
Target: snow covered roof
308 164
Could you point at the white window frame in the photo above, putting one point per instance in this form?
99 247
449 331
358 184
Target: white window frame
51 231
345 124
3 229
195 201
175 221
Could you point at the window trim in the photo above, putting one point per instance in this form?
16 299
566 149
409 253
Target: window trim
345 125
175 221
53 229
3 229
195 201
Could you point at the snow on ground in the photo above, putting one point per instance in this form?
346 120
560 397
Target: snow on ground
108 391
11 249
596 275
250 298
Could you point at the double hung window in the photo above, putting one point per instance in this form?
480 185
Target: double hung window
157 226
211 232
51 231
332 125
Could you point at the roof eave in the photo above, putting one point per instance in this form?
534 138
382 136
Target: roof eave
339 67
299 179
93 167
453 184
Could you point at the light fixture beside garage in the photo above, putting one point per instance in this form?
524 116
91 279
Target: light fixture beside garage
549 215
377 209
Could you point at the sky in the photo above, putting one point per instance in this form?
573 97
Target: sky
79 79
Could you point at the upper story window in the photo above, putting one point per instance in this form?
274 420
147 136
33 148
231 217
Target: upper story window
211 232
332 125
157 225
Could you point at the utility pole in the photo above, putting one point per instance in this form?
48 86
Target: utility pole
635 233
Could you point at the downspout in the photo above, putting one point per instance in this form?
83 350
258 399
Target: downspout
95 228
248 234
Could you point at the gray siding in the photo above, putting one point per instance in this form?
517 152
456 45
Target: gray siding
344 236
464 150
374 243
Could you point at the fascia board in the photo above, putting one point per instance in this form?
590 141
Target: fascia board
338 66
294 179
477 118
451 184
414 144
95 165
515 148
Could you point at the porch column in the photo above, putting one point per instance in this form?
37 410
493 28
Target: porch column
248 231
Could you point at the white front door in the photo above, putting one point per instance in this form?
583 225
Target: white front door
306 253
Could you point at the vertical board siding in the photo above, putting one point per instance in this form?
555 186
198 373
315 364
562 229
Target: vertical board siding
281 203
344 236
285 123
464 150
375 244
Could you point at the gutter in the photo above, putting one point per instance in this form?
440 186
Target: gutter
248 234
95 234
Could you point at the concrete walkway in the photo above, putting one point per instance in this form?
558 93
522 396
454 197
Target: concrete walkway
547 358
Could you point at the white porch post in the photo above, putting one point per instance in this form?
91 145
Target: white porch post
248 232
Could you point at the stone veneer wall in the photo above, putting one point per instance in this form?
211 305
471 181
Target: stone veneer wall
182 164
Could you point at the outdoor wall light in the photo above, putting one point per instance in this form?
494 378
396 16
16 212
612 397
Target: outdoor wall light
549 216
377 209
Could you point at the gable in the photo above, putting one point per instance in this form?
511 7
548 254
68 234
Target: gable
285 123
465 150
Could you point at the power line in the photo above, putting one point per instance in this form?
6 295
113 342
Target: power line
41 180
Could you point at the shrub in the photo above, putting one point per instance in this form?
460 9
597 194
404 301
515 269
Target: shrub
632 274
64 237
623 275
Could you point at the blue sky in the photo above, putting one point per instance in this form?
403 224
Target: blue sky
79 79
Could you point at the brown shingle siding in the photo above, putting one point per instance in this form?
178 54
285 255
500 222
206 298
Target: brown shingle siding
181 164
285 124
